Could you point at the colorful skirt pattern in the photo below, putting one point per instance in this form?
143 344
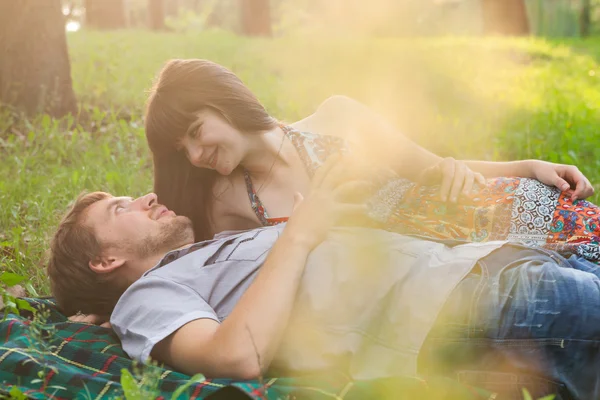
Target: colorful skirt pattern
515 209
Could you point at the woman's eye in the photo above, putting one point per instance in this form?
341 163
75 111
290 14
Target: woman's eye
196 133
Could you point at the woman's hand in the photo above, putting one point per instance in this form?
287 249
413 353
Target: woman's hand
455 177
567 178
326 204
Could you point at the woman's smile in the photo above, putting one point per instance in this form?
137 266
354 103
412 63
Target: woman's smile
212 161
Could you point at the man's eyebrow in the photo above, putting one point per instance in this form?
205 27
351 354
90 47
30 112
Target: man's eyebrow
110 208
113 203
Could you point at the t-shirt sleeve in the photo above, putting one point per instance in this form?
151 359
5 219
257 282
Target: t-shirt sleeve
152 309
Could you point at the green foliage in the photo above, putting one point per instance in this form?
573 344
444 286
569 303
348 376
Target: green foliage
143 383
527 396
16 394
469 98
554 18
183 388
11 303
130 386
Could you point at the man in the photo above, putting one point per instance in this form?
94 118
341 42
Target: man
308 297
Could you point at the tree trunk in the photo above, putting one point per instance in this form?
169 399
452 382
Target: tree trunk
156 14
256 17
505 17
172 8
586 11
105 14
35 72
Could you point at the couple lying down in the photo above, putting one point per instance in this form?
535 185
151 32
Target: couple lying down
317 292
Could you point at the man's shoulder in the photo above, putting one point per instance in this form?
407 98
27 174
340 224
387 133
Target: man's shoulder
196 265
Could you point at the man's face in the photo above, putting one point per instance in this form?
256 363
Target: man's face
138 228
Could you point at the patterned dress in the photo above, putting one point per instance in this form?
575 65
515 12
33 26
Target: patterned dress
516 209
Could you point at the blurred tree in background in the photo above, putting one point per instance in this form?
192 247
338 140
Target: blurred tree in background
505 17
35 72
156 14
389 18
256 17
105 14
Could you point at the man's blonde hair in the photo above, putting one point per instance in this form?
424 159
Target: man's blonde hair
74 285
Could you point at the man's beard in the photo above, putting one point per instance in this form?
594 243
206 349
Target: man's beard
175 233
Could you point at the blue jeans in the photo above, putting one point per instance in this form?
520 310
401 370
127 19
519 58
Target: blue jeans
523 318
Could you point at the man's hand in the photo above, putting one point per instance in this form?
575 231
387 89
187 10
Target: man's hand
328 203
455 177
567 178
101 320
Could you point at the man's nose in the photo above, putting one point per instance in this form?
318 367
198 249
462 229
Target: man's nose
146 202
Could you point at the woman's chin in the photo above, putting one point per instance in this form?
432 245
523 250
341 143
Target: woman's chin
223 170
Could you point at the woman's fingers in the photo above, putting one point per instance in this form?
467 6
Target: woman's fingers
469 182
480 178
583 189
579 188
448 169
459 180
457 177
298 199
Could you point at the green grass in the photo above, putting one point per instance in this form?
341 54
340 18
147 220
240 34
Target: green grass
470 98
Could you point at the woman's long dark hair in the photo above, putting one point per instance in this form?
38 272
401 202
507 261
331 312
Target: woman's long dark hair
183 89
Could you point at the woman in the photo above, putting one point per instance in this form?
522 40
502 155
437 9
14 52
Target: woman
222 160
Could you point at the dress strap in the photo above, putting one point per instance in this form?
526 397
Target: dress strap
257 205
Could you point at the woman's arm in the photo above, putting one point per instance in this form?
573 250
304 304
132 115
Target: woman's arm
371 136
376 139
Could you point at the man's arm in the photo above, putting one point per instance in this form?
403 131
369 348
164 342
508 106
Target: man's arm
243 345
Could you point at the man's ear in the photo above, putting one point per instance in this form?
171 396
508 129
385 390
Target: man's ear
104 264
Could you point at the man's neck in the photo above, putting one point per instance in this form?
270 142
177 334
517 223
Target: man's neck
140 267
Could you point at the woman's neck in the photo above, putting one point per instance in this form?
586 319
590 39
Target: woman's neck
264 150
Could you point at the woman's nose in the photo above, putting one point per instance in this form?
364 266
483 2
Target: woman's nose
195 156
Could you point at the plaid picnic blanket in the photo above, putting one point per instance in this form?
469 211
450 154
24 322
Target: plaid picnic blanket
49 357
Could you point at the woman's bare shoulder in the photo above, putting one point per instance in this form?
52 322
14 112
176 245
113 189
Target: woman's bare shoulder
335 116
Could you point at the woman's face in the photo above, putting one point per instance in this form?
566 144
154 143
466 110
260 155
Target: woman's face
213 143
